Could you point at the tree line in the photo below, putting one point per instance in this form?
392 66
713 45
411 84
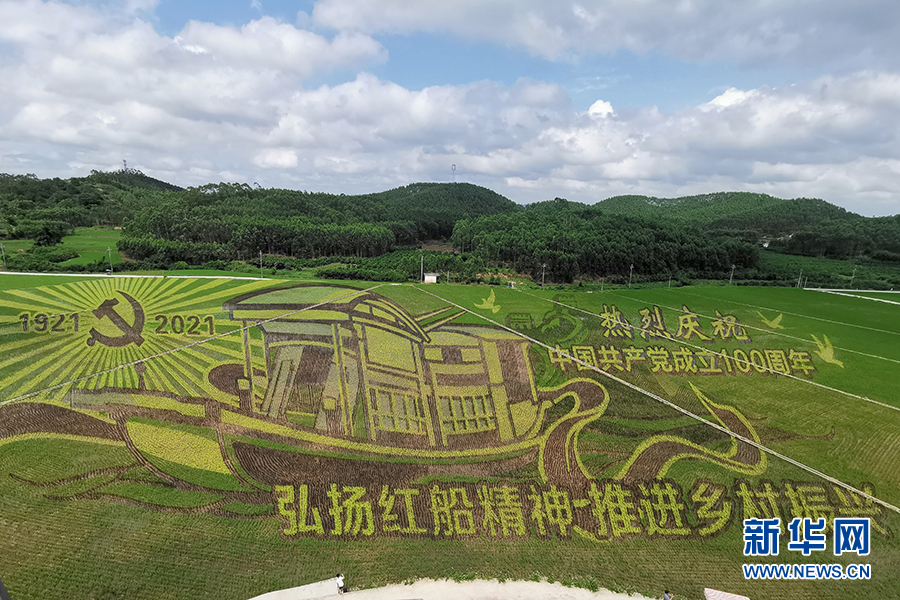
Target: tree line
802 226
564 240
237 221
694 236
877 238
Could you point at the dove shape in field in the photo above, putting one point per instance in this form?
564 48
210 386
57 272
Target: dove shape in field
774 323
488 303
826 351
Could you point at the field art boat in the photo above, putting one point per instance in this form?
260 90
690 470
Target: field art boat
354 384
325 384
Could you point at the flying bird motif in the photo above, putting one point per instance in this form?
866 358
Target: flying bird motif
774 323
488 303
826 351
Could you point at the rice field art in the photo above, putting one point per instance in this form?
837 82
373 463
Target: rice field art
408 430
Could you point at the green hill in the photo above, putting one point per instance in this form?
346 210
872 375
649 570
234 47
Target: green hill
166 223
566 240
163 224
433 207
130 178
804 226
763 213
28 204
225 221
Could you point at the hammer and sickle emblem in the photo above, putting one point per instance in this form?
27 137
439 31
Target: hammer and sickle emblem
130 333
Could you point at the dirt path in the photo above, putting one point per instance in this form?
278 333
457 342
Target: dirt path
429 589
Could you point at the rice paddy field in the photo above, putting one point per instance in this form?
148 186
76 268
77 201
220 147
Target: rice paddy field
91 243
222 438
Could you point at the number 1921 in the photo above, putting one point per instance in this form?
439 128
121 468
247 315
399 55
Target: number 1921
42 322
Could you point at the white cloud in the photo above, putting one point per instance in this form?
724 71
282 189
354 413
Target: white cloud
600 108
207 72
751 31
35 22
269 44
276 158
526 138
83 90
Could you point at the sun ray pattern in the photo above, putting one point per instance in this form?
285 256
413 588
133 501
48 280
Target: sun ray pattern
53 335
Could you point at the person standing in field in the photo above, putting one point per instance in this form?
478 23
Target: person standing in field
668 595
339 578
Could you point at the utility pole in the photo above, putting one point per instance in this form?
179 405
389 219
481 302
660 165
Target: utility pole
260 265
630 273
800 278
3 253
543 266
730 279
852 277
422 270
109 253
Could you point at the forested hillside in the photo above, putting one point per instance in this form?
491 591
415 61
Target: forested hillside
877 238
578 240
47 209
164 224
805 226
761 213
688 237
236 221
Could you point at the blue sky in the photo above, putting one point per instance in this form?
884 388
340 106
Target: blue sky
171 15
421 59
581 99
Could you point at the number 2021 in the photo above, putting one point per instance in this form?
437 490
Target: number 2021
189 325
